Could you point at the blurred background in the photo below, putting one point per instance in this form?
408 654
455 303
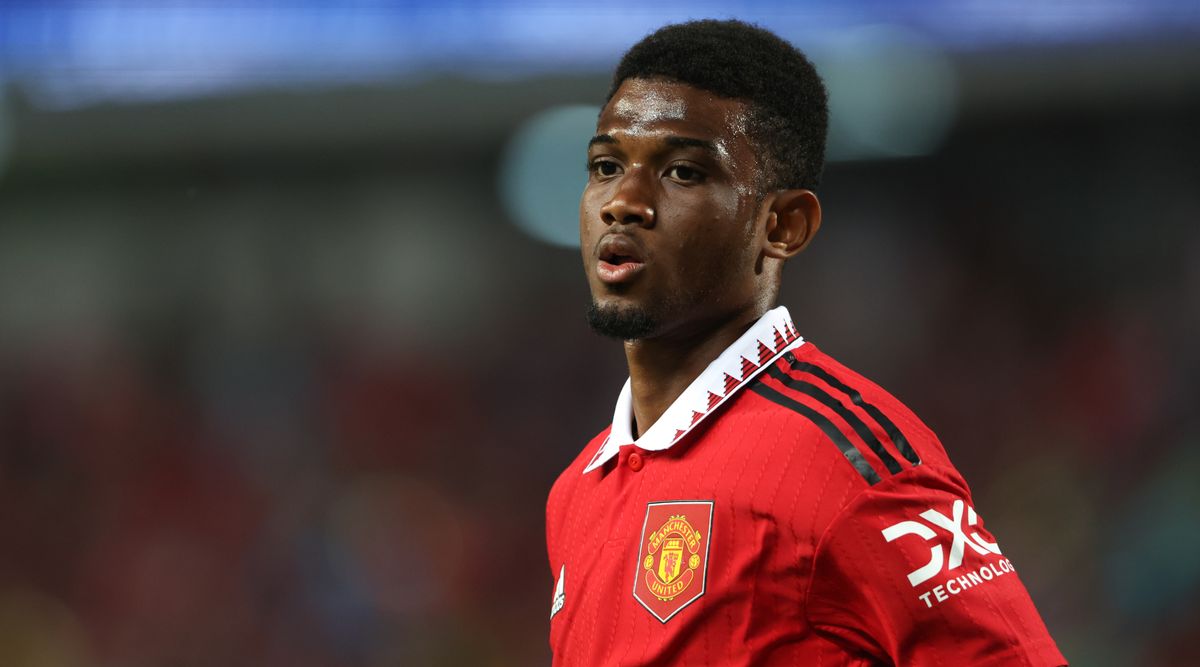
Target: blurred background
292 342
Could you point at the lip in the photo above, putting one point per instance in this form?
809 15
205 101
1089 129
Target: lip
618 259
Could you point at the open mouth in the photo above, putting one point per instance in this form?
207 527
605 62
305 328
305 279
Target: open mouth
620 259
617 259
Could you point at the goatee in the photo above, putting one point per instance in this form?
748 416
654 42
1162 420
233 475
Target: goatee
628 323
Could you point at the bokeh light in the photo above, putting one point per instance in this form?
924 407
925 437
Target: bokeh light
891 93
292 342
542 174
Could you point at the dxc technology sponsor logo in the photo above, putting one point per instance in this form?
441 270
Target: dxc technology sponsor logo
960 539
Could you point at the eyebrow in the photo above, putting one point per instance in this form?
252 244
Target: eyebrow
689 142
678 142
602 139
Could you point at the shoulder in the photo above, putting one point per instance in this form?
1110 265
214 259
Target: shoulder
904 567
909 572
860 429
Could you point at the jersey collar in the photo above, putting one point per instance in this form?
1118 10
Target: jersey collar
758 348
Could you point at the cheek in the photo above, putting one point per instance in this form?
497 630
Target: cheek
589 214
584 207
594 197
725 222
721 247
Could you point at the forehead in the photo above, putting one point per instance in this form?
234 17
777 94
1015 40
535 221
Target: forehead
649 106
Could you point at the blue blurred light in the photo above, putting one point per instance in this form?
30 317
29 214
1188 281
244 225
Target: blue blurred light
891 94
75 52
542 174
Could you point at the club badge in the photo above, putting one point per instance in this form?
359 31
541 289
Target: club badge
673 556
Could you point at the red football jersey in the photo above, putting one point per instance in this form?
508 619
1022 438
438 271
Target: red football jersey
783 511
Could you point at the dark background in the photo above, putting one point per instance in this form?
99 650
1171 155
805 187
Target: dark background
282 384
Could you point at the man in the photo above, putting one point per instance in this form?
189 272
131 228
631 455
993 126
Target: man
754 502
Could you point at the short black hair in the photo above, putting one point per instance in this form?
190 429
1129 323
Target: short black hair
789 111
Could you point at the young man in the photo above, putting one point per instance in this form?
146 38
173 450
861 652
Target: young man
754 502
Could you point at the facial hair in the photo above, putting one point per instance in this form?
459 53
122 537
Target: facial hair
628 323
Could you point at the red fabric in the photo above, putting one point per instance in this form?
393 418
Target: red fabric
797 569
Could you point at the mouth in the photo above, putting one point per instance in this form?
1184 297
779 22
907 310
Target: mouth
619 259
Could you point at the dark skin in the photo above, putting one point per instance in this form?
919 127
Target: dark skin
674 178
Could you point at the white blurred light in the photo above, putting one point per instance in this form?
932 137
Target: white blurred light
542 173
891 94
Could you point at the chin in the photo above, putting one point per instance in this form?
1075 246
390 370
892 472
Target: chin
617 318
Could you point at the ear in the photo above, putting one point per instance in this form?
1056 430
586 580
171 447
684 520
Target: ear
793 218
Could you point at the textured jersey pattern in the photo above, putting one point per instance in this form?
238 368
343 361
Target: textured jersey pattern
805 475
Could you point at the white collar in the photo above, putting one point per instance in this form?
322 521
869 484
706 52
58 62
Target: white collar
758 348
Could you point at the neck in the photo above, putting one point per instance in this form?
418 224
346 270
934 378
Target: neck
661 368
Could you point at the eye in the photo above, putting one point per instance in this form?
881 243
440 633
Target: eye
604 168
685 174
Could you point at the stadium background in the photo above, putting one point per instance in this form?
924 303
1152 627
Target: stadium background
291 348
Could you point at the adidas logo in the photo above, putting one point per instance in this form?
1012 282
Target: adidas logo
560 598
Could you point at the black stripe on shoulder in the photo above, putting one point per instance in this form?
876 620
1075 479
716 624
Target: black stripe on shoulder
810 389
894 433
851 452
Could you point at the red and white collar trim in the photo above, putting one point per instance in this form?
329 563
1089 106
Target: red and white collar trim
758 348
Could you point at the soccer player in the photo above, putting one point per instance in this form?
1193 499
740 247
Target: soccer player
754 502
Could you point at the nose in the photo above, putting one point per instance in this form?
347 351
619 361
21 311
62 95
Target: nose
631 204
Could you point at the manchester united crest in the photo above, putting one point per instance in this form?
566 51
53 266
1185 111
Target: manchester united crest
673 556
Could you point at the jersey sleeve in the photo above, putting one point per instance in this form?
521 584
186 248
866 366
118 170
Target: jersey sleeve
907 574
